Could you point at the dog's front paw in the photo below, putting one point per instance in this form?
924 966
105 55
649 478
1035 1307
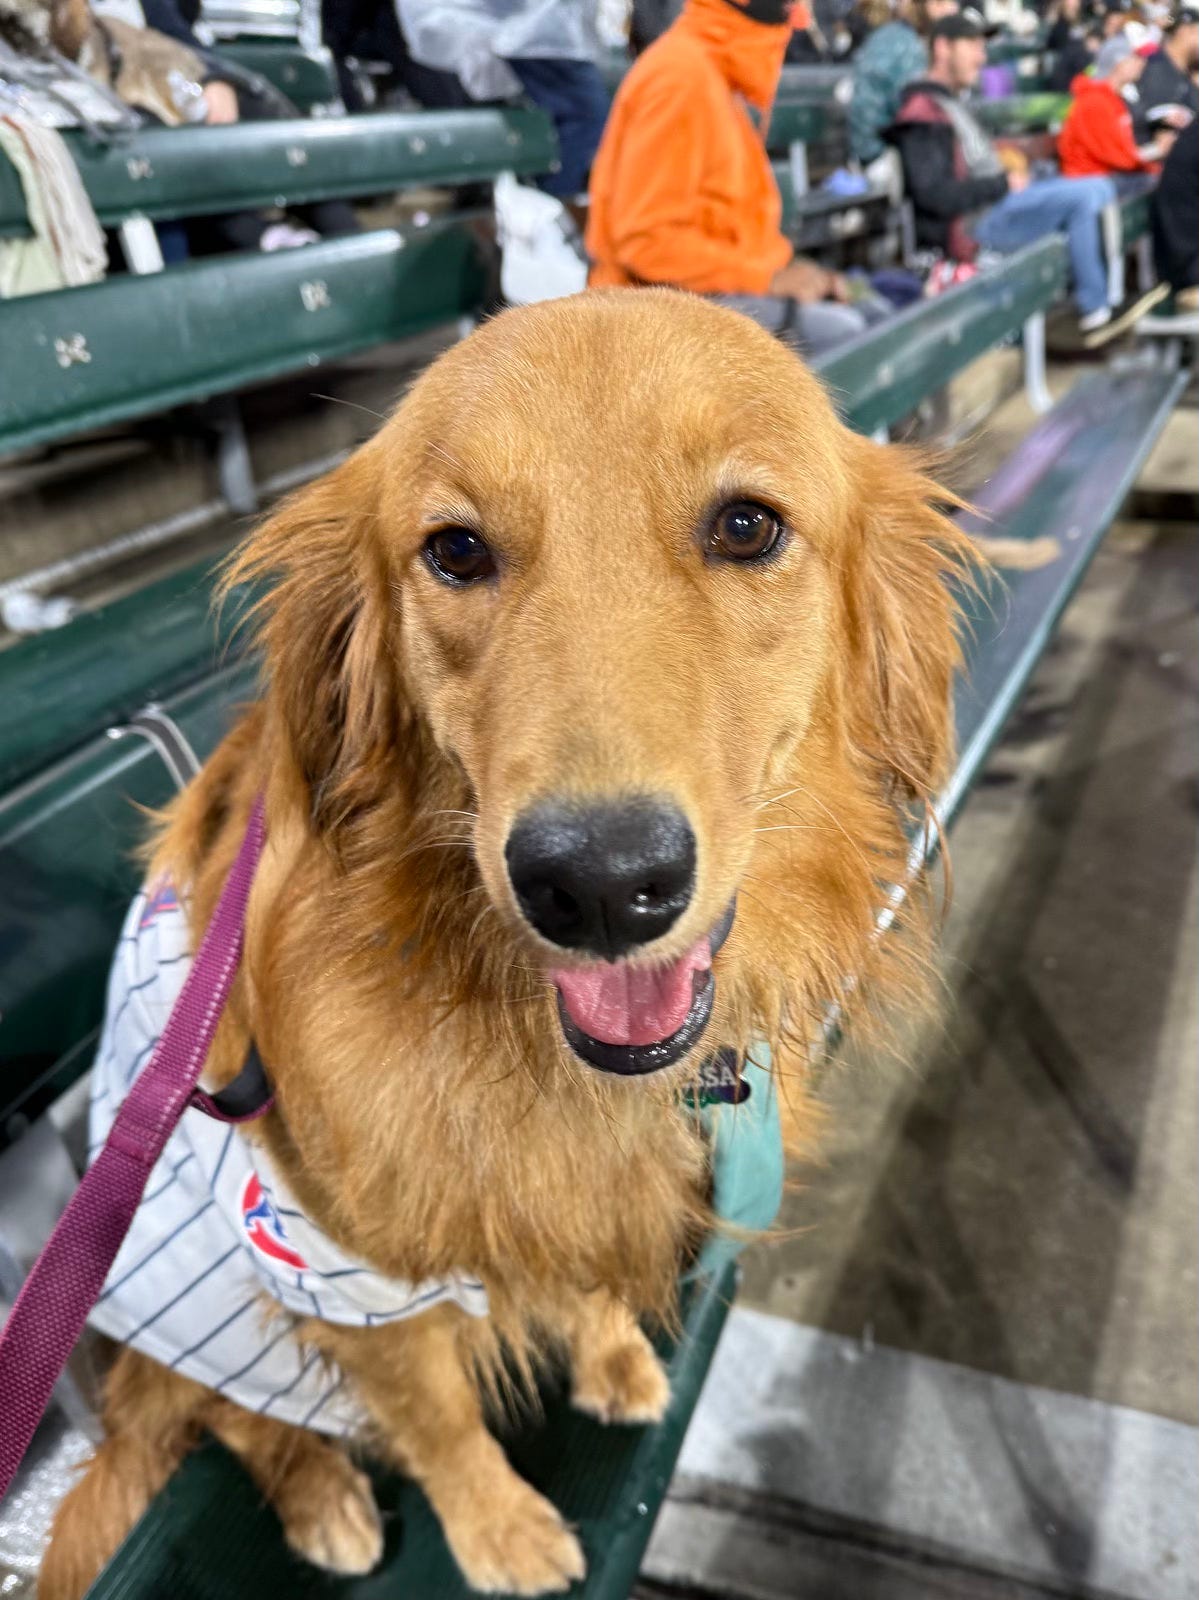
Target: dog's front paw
515 1544
623 1382
339 1527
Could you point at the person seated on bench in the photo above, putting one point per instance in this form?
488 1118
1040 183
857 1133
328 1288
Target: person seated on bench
1174 214
499 48
229 95
894 53
682 191
1097 139
1068 40
369 30
963 198
1167 91
1083 41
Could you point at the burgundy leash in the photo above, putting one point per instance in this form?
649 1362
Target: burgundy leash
67 1277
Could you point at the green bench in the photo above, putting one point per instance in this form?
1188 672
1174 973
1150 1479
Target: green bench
57 689
817 221
67 830
125 348
1005 48
170 173
307 77
116 351
884 374
1023 113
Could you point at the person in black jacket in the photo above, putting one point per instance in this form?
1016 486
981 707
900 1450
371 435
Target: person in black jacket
1175 214
1167 85
963 197
1072 41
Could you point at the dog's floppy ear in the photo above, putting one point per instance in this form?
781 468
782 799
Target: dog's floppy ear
324 628
900 615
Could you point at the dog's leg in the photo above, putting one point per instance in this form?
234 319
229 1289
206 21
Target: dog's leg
151 1418
616 1375
414 1379
326 1506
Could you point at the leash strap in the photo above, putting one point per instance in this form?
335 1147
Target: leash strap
69 1274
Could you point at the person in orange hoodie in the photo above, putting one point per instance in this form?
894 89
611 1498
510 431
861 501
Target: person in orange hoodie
1097 140
682 191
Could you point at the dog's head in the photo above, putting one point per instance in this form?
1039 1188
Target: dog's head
615 586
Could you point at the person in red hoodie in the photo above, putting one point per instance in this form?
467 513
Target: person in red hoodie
1097 140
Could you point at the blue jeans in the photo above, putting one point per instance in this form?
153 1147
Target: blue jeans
574 96
1056 205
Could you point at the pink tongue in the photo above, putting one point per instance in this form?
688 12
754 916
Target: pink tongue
632 1005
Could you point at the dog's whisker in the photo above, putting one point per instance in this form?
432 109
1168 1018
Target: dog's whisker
839 825
786 795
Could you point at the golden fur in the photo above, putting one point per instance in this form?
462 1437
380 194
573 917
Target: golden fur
429 1114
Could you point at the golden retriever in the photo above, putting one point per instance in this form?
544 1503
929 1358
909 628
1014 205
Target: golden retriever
599 686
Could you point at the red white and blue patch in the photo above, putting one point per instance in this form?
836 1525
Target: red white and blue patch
160 899
264 1226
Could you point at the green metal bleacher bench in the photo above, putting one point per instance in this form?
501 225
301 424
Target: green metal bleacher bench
57 689
1023 113
113 351
170 173
307 76
131 346
881 376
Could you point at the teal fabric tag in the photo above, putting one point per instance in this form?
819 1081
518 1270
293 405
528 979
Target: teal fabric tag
746 1139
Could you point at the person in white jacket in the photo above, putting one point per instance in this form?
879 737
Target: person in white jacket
547 48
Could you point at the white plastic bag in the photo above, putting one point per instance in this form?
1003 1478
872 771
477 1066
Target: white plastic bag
543 255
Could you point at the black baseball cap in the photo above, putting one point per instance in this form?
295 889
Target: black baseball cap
967 24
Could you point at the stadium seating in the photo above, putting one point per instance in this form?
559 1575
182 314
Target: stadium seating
134 345
307 77
168 173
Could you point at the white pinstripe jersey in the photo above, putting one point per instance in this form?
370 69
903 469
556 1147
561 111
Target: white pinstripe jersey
217 1226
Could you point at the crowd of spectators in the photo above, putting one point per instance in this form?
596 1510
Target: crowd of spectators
681 190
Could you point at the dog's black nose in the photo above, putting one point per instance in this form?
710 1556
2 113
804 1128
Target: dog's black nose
603 879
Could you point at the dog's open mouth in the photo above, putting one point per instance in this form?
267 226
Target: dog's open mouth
634 1020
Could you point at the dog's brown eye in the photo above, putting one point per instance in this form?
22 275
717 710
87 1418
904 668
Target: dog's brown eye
744 531
459 556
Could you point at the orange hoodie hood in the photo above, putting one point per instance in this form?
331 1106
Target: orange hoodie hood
749 54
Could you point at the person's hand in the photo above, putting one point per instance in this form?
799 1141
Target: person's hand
1017 182
802 280
1178 117
1164 143
838 288
221 102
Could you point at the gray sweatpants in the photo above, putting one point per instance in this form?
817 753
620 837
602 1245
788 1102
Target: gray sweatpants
811 329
